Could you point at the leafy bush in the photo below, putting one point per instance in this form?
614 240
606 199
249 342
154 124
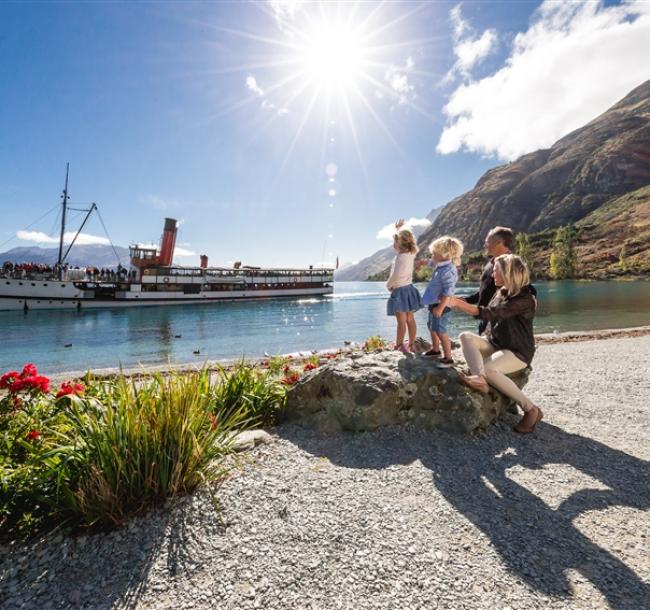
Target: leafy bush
99 452
259 394
374 343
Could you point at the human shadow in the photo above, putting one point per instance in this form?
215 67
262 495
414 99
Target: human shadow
536 542
106 570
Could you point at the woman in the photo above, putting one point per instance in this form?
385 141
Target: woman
508 344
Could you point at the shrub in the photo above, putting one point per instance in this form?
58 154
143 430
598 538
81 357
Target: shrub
259 394
99 452
152 440
374 343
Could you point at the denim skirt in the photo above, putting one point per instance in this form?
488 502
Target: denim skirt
406 298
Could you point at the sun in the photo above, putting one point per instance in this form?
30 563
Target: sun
333 56
329 62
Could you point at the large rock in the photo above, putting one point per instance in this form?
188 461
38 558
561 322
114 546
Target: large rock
365 391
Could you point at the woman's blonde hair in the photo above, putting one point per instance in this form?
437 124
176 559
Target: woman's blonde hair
448 247
405 241
514 271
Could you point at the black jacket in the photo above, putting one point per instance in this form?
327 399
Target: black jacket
486 291
510 322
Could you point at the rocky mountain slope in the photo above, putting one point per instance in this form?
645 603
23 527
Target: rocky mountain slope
605 159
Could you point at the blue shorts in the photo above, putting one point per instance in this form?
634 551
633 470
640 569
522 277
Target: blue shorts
439 325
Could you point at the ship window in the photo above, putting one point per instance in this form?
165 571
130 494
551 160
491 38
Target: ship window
44 284
62 285
20 283
33 284
8 283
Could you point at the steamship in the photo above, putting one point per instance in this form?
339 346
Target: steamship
151 279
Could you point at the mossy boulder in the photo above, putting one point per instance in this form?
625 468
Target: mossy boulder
366 391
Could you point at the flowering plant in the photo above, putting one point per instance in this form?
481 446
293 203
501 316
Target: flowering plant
69 388
290 378
26 381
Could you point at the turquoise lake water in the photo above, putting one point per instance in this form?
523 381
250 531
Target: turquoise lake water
356 310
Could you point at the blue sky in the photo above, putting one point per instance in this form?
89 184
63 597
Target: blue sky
226 115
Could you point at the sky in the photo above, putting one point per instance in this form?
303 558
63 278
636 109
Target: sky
288 133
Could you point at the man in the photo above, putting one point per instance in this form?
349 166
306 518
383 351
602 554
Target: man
500 240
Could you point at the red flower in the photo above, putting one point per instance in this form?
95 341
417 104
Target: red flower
28 379
290 379
18 402
287 368
29 370
16 386
39 383
69 388
7 379
33 435
213 421
310 366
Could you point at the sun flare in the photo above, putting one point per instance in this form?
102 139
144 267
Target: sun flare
343 63
333 56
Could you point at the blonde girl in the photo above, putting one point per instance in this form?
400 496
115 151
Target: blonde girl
404 298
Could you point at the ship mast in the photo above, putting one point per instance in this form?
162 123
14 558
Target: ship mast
65 198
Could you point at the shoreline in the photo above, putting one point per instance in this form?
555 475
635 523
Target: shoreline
299 356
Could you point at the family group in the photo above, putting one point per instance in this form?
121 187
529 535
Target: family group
504 305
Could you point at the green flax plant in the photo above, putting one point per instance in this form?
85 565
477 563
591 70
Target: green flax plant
136 443
259 393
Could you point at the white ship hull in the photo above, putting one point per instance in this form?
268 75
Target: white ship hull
21 295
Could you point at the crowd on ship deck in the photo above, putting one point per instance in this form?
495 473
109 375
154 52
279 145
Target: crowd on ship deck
41 271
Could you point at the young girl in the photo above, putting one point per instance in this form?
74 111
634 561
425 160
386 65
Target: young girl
445 257
404 298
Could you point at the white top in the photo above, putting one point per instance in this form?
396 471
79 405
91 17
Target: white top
401 272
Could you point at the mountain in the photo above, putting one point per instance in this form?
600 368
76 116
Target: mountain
606 159
378 261
612 241
80 256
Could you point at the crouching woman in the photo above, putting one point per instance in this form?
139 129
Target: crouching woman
508 344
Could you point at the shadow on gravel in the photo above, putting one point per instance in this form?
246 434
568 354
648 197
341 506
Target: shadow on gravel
108 571
536 542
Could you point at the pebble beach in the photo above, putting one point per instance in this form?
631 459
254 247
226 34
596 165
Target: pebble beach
398 518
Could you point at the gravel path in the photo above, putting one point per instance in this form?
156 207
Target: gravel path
398 518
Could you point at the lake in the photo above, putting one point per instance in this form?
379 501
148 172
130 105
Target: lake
356 310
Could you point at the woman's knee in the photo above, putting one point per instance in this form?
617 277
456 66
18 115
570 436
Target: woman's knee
465 336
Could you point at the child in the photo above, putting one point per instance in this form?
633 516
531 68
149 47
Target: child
445 257
404 298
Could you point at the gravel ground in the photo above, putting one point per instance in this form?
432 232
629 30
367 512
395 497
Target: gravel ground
398 518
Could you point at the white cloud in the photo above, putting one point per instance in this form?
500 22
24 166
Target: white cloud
84 239
251 83
285 11
469 49
158 203
183 252
388 231
575 61
397 80
253 86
